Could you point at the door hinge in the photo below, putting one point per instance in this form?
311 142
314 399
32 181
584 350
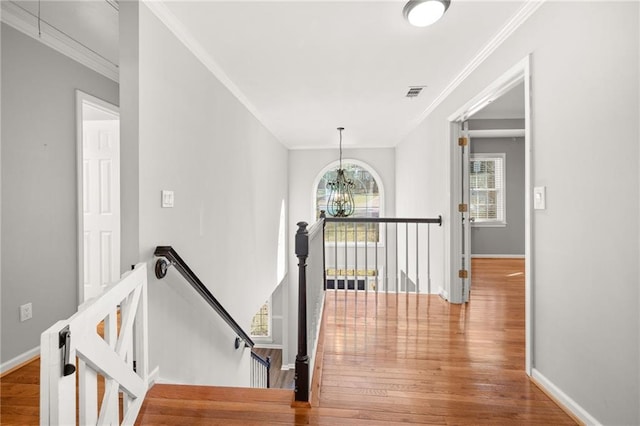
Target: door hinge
463 273
462 141
463 208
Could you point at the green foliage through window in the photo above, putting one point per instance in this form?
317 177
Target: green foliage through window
366 195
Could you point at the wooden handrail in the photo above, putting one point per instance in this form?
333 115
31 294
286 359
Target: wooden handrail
173 259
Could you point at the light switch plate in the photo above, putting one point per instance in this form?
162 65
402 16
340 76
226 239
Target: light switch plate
540 197
167 199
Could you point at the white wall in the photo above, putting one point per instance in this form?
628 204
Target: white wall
229 176
304 167
585 110
39 190
129 47
422 191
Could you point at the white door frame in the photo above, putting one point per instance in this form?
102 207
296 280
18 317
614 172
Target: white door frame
520 72
82 98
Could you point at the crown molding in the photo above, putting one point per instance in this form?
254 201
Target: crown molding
160 10
520 17
25 22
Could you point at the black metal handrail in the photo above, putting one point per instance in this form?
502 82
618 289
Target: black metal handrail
169 257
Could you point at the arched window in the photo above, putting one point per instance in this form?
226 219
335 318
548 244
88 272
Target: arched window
282 255
261 322
367 195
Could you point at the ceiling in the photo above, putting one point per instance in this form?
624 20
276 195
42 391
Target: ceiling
306 67
92 23
509 105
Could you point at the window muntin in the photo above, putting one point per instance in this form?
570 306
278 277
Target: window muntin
367 199
261 322
487 189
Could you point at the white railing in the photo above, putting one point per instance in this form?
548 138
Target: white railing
121 357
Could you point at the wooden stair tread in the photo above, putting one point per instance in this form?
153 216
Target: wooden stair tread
192 404
218 393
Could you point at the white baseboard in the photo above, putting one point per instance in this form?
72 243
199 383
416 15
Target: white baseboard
267 346
20 359
564 399
154 376
497 256
288 367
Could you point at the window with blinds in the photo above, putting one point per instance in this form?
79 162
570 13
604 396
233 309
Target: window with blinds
487 187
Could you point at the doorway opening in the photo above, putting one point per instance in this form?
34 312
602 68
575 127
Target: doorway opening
478 197
98 161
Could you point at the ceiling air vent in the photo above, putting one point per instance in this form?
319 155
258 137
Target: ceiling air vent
414 91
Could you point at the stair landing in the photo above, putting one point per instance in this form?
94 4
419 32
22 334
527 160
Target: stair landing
204 405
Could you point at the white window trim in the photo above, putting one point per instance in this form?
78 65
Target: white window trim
502 195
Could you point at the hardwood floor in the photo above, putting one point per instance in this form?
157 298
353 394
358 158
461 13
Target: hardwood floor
422 360
20 396
386 360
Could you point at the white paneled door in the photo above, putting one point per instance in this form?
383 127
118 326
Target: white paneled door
100 199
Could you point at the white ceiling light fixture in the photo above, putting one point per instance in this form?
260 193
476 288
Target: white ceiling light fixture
422 13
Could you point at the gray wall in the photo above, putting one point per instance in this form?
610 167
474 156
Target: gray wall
509 239
584 117
39 229
229 176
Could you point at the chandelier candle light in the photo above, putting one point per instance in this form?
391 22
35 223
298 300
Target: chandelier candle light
340 202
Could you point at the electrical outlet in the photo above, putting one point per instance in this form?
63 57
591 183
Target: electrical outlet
26 312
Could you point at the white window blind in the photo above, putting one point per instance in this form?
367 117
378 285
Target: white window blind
487 188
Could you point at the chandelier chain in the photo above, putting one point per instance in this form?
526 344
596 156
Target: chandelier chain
340 202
